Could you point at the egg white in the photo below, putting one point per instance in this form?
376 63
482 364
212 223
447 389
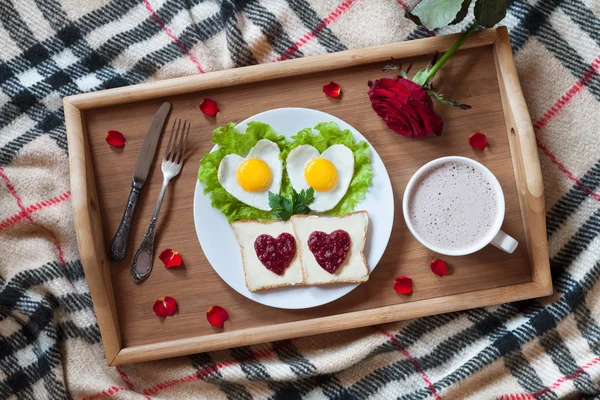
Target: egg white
264 150
339 155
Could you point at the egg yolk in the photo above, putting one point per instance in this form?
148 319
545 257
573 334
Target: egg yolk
254 175
321 174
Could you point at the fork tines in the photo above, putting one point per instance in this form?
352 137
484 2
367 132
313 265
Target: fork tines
179 137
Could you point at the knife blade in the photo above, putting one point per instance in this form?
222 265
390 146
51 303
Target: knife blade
118 248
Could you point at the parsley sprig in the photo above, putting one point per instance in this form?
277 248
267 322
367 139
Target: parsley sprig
284 208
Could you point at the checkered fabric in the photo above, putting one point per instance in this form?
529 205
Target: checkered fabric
50 344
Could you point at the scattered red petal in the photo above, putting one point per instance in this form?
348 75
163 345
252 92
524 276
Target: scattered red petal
478 141
115 138
216 316
403 285
170 258
438 267
209 107
332 89
165 306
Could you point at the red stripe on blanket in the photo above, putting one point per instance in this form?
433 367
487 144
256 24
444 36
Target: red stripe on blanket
197 375
553 112
105 393
34 207
55 240
309 35
568 96
174 37
201 374
412 360
13 192
568 173
206 371
560 381
125 378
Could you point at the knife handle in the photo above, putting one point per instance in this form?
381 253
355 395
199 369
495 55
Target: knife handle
118 248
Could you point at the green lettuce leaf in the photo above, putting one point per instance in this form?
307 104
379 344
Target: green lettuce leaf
330 134
231 141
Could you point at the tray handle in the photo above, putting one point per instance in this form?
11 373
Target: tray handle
521 120
525 160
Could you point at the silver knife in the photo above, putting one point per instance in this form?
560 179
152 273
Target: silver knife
118 248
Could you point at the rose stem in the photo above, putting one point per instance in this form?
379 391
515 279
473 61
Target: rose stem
449 53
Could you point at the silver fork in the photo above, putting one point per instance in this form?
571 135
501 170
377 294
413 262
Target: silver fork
141 266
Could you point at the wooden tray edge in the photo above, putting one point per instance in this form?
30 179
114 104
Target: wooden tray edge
525 158
282 69
358 319
89 228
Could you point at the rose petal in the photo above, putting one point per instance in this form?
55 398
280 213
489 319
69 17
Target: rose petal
432 122
216 316
165 306
115 138
170 258
416 91
438 267
209 107
478 141
403 285
332 89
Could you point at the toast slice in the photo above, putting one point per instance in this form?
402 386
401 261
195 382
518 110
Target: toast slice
258 277
354 268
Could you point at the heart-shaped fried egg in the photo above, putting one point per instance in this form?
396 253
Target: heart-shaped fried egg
328 173
250 179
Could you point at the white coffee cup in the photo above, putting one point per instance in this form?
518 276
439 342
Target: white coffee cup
493 236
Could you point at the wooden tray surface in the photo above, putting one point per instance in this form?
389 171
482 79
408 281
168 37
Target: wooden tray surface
131 331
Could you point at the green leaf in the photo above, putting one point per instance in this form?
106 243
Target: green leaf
464 9
437 13
448 100
288 207
284 208
274 200
421 76
397 68
295 196
302 200
232 142
330 134
489 12
307 196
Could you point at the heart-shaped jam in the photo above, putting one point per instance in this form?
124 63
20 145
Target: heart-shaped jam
330 250
275 254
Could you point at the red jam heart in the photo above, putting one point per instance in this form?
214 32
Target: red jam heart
330 250
275 254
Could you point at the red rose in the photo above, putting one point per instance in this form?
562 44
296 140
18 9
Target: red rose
405 107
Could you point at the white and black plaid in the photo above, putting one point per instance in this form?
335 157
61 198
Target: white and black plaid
538 349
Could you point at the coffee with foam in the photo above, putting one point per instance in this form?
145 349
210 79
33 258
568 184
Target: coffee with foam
453 206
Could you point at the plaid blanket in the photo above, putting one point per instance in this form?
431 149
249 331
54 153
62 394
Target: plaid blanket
50 345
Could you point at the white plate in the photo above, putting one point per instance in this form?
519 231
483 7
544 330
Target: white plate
221 247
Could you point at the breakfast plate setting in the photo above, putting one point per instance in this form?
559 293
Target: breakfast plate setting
214 232
292 199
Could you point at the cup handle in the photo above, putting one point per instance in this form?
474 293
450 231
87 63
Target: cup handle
505 242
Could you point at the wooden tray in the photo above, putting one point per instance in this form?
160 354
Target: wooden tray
482 73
